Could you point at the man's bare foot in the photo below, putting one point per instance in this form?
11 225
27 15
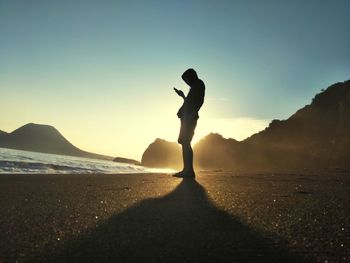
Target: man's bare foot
185 174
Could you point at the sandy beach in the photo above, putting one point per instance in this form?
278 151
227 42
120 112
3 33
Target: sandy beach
219 217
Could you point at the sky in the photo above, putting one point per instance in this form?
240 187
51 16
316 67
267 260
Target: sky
103 72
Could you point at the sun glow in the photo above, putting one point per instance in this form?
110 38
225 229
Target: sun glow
129 137
127 133
236 128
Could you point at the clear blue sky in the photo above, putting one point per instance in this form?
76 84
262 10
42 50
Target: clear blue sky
102 72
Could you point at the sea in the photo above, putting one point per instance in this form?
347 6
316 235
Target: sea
25 162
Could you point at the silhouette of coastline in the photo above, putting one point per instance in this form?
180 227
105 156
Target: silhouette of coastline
47 139
315 137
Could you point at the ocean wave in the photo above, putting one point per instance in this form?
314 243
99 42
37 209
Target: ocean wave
35 167
24 162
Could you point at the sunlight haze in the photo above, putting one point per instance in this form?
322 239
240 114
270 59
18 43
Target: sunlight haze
103 73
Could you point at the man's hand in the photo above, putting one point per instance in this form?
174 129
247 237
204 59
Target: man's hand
180 93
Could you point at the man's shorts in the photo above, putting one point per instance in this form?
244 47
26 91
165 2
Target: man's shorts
187 130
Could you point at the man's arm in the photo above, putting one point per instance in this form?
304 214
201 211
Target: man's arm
180 93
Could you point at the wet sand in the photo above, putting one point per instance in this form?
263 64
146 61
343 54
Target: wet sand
219 217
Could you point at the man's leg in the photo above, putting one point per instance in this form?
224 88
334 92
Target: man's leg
185 137
187 154
184 158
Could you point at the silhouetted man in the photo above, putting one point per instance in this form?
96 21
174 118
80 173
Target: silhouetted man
188 113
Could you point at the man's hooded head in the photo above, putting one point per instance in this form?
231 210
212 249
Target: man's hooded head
190 76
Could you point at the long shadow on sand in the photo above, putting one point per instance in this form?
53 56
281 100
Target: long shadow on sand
183 226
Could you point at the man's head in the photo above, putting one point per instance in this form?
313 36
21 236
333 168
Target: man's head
190 76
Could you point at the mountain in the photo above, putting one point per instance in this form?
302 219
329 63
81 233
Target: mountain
2 132
162 153
43 138
316 136
216 152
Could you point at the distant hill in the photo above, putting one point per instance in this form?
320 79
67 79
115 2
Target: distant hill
162 153
216 152
316 136
43 138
